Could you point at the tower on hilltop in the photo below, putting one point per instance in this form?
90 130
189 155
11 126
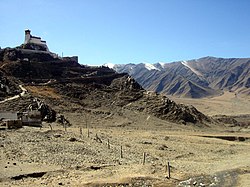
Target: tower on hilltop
29 39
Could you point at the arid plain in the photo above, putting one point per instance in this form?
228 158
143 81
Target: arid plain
111 150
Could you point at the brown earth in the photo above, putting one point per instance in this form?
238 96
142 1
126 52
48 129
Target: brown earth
80 156
44 157
228 103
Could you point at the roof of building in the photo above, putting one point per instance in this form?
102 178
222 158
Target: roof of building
8 115
35 37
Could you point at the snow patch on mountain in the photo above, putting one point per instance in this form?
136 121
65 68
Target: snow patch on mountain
109 65
151 67
162 64
185 63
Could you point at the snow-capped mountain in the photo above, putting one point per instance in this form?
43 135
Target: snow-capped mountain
198 78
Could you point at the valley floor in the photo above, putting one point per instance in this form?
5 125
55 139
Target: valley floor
108 149
227 104
92 157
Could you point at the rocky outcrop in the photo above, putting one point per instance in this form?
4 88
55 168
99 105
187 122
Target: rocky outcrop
47 113
164 108
167 109
20 54
33 46
8 87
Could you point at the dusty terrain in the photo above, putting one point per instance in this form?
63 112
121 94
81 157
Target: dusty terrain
88 152
228 103
215 156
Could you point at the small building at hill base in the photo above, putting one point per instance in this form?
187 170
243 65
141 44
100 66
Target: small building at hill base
32 118
13 124
13 120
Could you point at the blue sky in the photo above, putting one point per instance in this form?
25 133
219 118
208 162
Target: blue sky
125 31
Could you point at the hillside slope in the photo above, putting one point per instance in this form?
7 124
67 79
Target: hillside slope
70 87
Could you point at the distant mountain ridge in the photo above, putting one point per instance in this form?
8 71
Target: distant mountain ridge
203 77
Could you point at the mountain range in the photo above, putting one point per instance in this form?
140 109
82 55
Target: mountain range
203 77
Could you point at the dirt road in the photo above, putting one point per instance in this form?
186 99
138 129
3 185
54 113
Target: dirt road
24 91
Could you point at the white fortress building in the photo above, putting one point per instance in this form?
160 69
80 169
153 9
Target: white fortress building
29 39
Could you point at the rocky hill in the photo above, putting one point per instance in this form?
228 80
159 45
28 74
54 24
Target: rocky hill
199 78
67 86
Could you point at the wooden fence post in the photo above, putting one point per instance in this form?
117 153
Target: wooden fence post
121 152
168 168
50 126
144 158
108 144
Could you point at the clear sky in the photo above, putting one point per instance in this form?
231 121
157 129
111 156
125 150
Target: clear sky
125 31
